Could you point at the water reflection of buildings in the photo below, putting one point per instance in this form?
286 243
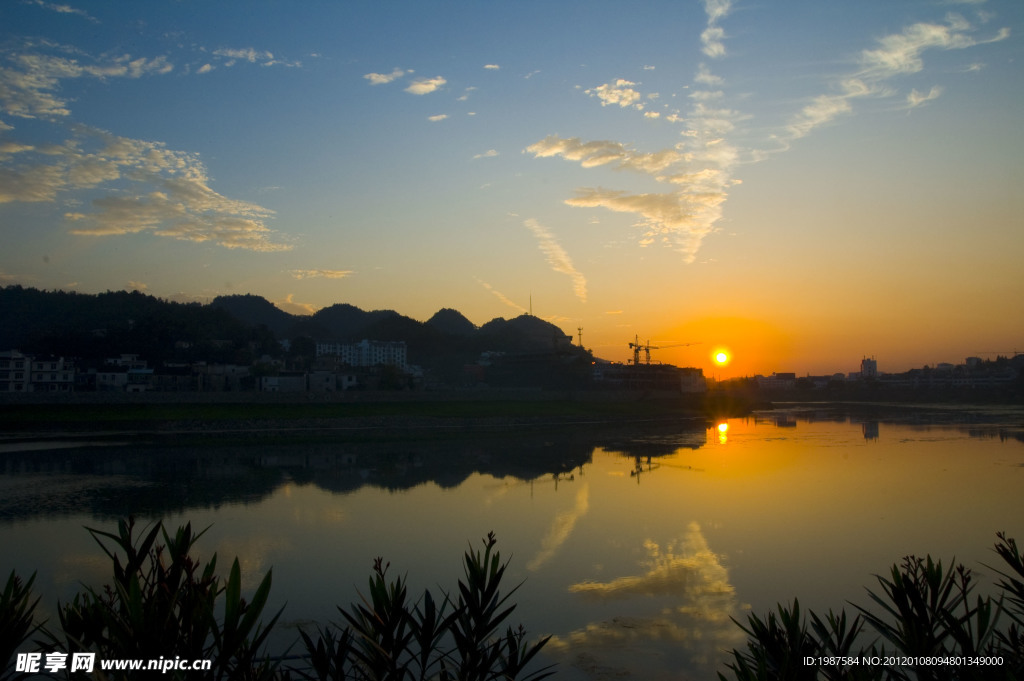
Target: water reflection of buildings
978 422
648 450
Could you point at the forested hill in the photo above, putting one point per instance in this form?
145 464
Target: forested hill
107 324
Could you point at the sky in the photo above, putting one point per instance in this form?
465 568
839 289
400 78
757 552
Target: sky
802 184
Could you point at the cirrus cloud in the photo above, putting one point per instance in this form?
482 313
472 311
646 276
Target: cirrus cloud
320 274
557 258
897 54
502 297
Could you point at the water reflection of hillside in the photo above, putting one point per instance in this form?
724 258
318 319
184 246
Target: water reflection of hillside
110 481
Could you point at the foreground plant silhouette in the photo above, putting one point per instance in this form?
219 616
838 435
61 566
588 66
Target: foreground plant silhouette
164 603
460 637
17 620
926 613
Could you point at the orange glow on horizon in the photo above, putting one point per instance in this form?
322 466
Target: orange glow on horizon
751 346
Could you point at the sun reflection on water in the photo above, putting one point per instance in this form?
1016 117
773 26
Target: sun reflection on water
723 433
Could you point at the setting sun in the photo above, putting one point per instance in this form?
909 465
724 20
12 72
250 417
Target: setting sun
721 357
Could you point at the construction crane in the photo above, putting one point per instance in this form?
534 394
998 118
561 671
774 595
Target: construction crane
636 347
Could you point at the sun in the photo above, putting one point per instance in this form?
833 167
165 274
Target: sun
721 357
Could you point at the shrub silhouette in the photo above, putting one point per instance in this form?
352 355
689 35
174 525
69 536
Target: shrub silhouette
925 613
17 620
164 603
458 637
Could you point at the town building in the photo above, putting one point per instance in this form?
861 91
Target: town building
366 353
14 372
52 374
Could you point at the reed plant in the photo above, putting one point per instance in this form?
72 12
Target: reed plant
17 621
457 637
163 602
926 623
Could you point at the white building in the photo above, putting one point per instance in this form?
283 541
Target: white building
14 371
366 353
52 374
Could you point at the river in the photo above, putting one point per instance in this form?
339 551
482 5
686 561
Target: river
636 548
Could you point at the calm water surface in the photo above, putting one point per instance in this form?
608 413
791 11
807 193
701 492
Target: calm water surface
636 548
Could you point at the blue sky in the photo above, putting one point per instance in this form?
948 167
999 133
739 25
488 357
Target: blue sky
803 184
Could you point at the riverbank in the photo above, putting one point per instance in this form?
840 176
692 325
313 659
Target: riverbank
363 416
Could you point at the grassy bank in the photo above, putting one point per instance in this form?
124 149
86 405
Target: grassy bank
392 418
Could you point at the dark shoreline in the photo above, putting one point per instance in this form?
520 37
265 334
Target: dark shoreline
170 418
277 419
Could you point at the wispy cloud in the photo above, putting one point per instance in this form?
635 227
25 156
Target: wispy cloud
916 99
384 78
604 152
561 529
248 54
502 297
146 187
558 258
162 191
897 54
699 167
64 9
29 85
681 219
700 171
438 117
713 34
320 274
492 67
253 56
424 86
490 153
291 306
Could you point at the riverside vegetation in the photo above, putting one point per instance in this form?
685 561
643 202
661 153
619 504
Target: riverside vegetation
929 627
164 603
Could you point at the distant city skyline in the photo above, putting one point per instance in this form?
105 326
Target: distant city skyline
801 186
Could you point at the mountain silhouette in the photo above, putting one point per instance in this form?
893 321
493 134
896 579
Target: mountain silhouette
447 320
256 311
111 323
